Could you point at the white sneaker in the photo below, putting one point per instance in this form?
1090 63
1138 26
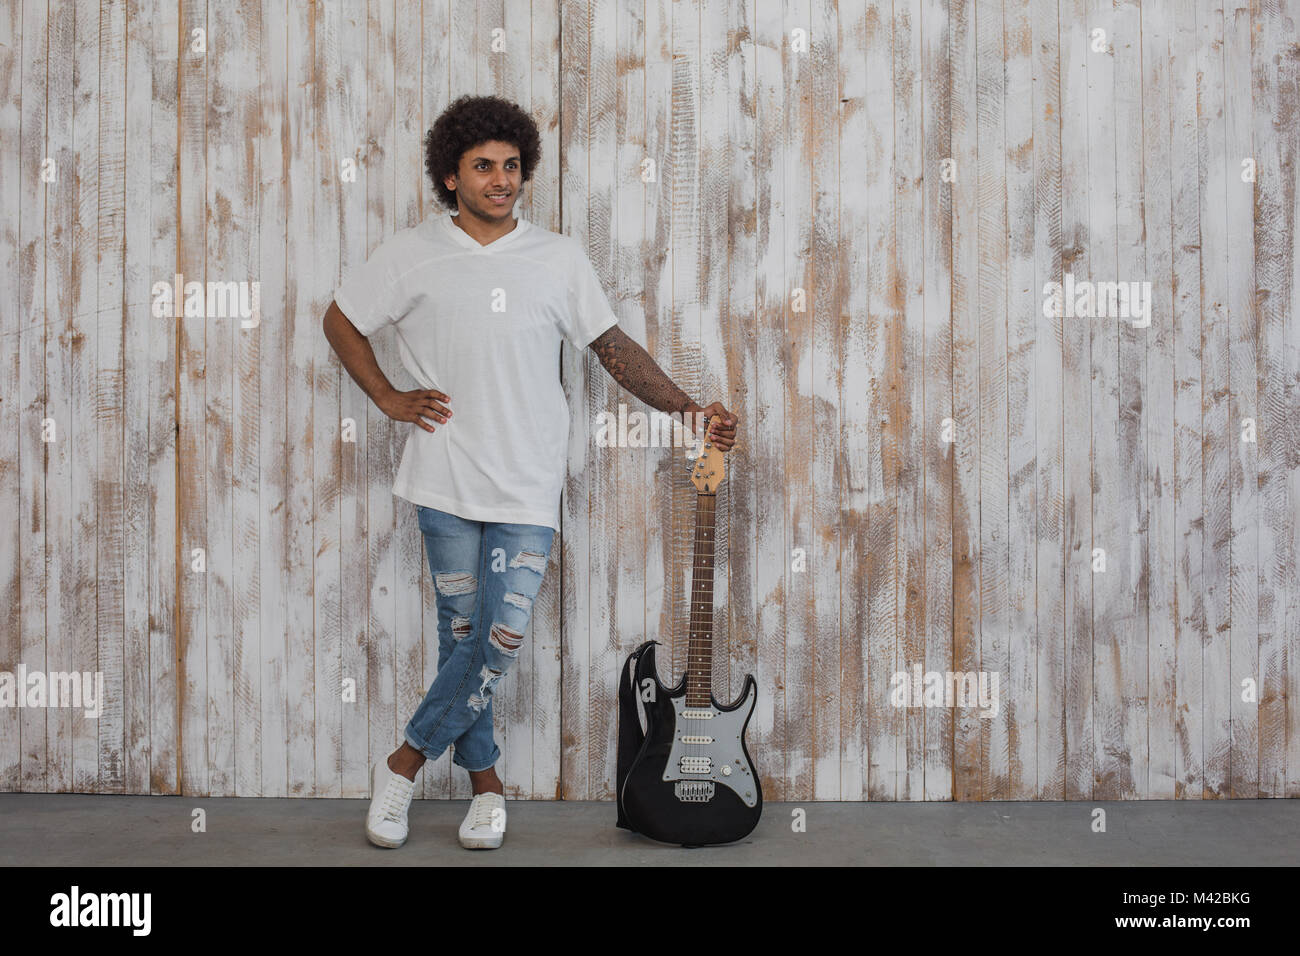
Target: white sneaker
390 797
485 825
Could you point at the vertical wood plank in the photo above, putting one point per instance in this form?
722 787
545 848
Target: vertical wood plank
139 327
192 473
605 130
799 38
629 466
307 294
168 564
1188 592
907 303
538 91
1076 425
1159 397
109 399
23 149
78 552
854 399
1018 686
283 597
731 147
937 395
573 546
968 757
408 543
819 431
1275 72
1217 434
991 226
1049 401
384 437
1134 346
1111 776
232 635
1243 404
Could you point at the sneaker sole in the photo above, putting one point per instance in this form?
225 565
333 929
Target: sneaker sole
479 843
380 841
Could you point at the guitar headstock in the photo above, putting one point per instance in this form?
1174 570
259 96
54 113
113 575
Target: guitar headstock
708 471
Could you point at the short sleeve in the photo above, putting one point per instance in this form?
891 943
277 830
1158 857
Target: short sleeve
589 313
371 295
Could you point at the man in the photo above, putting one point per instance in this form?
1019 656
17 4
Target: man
480 304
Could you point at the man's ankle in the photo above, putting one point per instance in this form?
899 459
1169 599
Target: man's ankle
402 767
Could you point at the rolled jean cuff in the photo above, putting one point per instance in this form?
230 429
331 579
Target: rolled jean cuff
421 746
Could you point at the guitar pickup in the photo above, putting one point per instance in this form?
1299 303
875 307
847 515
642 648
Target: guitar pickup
701 765
695 739
688 714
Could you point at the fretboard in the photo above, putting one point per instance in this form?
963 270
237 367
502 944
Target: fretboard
699 662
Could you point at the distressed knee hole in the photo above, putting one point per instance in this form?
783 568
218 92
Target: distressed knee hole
521 601
488 678
504 640
532 560
460 627
455 582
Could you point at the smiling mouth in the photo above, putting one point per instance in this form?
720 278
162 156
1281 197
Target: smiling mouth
499 199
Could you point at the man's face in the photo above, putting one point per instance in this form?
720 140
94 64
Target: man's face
486 170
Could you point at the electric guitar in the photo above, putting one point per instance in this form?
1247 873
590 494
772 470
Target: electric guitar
692 781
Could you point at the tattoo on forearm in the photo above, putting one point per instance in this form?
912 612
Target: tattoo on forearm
633 368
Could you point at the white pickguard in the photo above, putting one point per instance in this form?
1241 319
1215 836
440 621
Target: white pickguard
722 759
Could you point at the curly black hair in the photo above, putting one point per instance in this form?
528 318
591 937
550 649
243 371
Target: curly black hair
472 120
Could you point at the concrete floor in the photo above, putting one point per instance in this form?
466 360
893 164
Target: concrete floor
88 830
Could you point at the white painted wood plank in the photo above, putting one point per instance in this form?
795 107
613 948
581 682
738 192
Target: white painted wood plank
294 627
1076 433
409 183
79 551
384 437
1243 404
168 565
1218 435
1159 397
937 396
1049 399
281 597
109 400
907 302
1275 73
139 326
15 188
1018 686
854 435
968 757
1134 347
1188 593
990 93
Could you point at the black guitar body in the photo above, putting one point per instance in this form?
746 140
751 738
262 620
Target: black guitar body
719 805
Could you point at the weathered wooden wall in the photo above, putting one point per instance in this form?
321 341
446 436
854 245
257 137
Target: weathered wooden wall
927 462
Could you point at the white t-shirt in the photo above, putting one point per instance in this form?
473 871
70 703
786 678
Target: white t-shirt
483 324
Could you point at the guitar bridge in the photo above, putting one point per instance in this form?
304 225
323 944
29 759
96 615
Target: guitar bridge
694 791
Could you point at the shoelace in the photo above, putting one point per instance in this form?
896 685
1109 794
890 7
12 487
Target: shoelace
394 800
483 805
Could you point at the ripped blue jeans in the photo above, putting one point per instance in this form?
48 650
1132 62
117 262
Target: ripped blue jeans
486 575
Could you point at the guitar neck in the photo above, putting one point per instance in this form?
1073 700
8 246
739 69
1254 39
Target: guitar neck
699 661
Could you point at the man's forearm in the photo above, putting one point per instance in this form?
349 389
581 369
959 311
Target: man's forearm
632 367
356 355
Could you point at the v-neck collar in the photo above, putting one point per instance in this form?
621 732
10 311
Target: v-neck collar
462 237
